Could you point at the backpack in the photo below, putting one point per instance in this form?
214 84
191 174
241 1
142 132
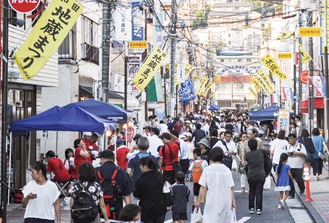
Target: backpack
111 194
197 171
84 209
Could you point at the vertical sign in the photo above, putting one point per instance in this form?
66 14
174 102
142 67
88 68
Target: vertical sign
138 21
122 23
283 120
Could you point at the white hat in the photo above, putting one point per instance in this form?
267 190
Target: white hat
87 133
204 142
188 121
188 134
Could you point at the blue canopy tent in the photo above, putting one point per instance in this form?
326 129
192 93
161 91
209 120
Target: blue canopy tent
213 107
269 113
103 109
72 118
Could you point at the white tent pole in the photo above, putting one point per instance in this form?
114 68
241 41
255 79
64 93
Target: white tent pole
9 166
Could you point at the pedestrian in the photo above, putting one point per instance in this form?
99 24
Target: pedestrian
282 177
121 154
55 166
180 194
81 155
297 154
149 191
198 134
168 155
196 168
256 176
69 163
205 149
277 147
41 197
87 182
217 178
130 213
320 147
133 169
307 141
241 167
115 183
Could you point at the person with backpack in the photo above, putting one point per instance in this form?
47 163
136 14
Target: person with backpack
196 168
87 197
320 149
115 183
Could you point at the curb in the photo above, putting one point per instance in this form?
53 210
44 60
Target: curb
310 210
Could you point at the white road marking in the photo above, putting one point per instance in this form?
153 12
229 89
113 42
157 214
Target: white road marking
244 219
239 191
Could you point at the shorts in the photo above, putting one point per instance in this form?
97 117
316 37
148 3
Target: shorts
179 216
196 189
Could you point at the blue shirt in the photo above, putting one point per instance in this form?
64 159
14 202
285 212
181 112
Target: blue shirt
135 166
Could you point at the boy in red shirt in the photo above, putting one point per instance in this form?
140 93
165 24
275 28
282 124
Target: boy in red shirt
56 166
121 154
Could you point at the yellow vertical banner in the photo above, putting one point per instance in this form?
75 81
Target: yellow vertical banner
305 56
152 64
202 85
205 92
272 65
256 84
267 84
46 36
213 93
253 91
188 69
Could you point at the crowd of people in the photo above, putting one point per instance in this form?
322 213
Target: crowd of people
129 184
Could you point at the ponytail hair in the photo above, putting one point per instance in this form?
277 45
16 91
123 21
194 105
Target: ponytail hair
147 161
283 157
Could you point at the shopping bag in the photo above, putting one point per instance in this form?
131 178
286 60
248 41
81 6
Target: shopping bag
233 216
196 216
267 184
234 165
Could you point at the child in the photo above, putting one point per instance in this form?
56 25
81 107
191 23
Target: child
282 179
181 195
130 213
196 167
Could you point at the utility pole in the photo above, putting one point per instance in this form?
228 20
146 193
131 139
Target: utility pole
326 75
4 110
300 62
172 57
106 49
311 72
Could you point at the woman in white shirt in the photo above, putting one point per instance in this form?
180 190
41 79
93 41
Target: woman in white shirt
278 146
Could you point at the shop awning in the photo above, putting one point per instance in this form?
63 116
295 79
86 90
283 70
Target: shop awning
318 104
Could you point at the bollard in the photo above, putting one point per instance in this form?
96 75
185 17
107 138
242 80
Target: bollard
307 183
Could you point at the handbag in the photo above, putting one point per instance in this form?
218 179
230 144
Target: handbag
233 216
167 194
227 160
196 216
176 165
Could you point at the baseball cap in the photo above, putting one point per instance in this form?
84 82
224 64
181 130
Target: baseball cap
137 136
119 141
107 154
87 133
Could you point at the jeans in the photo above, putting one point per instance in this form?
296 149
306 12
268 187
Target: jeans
256 191
297 174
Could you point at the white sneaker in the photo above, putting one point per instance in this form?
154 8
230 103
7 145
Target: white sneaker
282 203
279 206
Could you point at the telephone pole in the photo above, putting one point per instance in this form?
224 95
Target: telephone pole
172 57
311 72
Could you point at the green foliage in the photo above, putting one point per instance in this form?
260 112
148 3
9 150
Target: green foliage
201 20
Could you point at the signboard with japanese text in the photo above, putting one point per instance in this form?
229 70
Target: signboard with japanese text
323 24
285 55
202 85
205 92
283 121
138 21
256 84
305 56
272 65
309 31
149 68
138 45
46 36
122 23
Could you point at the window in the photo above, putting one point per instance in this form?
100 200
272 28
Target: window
222 60
89 31
248 60
239 60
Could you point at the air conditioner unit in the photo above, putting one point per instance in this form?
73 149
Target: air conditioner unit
19 104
